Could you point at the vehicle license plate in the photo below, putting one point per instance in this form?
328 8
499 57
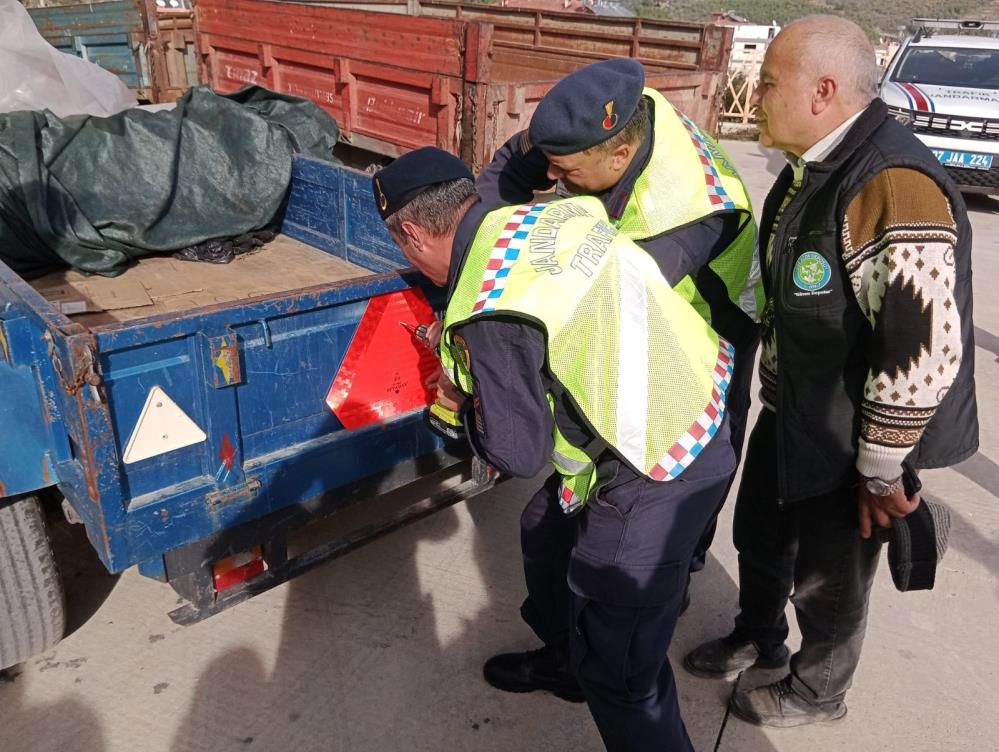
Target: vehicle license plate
963 159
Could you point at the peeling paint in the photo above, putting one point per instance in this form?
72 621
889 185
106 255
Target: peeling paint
90 469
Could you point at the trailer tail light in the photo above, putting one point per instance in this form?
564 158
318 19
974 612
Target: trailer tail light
241 567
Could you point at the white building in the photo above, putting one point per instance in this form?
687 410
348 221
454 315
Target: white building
749 43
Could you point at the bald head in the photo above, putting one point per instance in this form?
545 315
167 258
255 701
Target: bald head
818 72
835 47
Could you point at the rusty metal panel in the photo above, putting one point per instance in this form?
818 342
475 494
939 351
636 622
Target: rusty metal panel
407 114
378 107
175 64
531 50
687 62
507 108
395 83
231 63
392 86
717 47
404 7
656 43
526 66
697 94
418 44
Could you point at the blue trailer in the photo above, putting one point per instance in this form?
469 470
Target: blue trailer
263 455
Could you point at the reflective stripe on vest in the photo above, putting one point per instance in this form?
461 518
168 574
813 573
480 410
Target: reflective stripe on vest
688 178
647 373
573 466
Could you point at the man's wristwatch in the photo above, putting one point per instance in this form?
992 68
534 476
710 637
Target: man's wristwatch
879 487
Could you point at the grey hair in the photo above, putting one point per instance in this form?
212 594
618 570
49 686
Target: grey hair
436 209
832 45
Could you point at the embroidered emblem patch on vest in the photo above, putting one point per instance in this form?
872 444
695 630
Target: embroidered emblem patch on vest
811 271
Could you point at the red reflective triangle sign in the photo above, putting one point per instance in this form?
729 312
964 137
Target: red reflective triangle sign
386 371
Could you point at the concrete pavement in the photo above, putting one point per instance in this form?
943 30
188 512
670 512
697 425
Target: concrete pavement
382 649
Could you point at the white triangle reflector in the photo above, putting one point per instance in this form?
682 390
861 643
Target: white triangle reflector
161 428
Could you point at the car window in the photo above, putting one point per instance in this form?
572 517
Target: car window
940 66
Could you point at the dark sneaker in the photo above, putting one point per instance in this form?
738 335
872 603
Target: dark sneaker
729 655
545 669
778 705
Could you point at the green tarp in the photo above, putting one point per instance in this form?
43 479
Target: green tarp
92 193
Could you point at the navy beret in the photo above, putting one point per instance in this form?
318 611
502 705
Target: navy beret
588 106
407 177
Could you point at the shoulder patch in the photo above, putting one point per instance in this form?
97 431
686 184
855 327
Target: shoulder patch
525 142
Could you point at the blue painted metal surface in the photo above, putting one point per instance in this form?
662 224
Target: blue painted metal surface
25 463
271 442
114 35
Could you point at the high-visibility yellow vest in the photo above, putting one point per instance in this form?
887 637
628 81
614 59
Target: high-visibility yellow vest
646 372
688 178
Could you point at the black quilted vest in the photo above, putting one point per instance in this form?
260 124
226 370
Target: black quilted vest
822 334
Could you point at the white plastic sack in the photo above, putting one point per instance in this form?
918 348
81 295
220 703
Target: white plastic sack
34 75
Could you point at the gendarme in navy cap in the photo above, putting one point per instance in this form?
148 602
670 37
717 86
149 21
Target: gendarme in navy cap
588 106
408 176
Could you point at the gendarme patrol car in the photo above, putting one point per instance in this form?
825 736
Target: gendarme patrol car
945 88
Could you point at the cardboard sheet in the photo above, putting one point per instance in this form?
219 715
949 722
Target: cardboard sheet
162 284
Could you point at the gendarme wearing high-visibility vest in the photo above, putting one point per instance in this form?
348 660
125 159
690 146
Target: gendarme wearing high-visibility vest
647 373
688 178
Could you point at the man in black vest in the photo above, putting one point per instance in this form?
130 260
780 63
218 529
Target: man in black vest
867 369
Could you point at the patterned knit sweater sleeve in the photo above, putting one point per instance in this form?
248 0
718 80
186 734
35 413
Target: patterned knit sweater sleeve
898 243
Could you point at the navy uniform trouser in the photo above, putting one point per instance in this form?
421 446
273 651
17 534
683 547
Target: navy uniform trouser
610 581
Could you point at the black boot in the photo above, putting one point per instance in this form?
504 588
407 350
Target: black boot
545 669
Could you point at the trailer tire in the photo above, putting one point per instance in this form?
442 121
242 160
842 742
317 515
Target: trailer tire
31 594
